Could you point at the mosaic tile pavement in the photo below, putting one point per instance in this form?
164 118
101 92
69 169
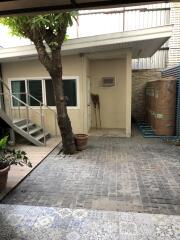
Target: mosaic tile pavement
20 222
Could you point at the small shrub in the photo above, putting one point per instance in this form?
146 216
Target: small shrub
10 157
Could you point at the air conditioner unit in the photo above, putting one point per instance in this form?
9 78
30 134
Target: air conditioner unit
108 81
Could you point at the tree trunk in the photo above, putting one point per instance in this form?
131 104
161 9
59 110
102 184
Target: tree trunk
54 67
62 115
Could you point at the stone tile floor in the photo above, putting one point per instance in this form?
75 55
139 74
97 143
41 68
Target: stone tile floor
42 223
35 154
119 174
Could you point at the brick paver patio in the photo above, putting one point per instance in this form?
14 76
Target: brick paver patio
35 155
121 174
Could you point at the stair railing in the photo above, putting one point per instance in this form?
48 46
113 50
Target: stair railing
41 105
27 106
27 109
11 97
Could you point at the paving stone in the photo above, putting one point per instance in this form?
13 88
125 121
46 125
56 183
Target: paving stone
130 174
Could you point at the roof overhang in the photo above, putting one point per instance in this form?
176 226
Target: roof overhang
143 43
9 7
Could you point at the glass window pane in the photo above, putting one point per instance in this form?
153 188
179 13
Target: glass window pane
49 93
69 87
35 89
18 90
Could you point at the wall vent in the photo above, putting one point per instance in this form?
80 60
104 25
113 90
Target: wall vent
108 82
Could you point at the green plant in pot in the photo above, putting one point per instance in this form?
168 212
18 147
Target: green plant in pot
10 157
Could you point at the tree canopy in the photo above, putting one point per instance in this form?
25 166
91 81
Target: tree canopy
48 32
49 26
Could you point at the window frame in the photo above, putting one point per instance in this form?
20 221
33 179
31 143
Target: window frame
65 78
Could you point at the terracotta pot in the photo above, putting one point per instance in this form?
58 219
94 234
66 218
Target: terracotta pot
81 141
3 177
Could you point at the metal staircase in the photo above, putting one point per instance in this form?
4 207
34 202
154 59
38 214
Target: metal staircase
20 118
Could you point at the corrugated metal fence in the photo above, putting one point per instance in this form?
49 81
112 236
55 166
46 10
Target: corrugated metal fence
175 72
103 21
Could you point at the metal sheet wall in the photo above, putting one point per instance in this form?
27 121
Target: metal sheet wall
157 61
122 19
126 19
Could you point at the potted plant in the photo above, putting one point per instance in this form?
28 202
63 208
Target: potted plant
10 157
81 141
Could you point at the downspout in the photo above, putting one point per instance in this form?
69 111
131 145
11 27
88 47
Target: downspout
1 90
84 93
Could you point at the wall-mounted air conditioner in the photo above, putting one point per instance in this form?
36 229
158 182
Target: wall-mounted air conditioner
108 81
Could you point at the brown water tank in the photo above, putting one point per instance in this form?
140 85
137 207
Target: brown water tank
165 107
150 102
165 124
146 104
165 96
153 119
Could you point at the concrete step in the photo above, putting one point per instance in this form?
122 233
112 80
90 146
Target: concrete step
40 137
20 122
26 126
35 130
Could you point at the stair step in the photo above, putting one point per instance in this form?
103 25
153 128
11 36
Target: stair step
40 136
26 125
20 122
35 130
20 126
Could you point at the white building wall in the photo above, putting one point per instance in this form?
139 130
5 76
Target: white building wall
174 42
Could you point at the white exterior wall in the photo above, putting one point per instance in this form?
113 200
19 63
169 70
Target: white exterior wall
115 102
174 42
72 67
113 116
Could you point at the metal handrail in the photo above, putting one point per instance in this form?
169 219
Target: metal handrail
17 99
42 104
28 106
52 110
27 113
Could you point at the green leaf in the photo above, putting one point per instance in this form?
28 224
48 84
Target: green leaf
3 142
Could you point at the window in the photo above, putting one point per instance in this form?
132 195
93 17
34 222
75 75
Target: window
49 93
69 87
42 90
19 91
35 90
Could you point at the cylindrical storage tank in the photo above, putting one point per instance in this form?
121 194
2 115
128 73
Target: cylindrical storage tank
165 96
165 124
153 119
165 107
147 101
146 104
153 97
151 102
